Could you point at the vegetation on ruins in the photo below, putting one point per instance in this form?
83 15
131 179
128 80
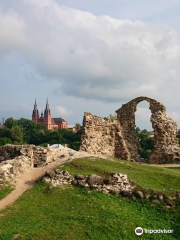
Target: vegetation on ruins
112 116
24 131
46 212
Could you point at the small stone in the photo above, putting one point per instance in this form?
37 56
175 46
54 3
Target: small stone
95 186
50 173
147 196
178 195
169 204
170 198
155 201
105 191
93 179
167 207
71 153
58 170
81 183
139 194
80 177
161 198
126 194
74 182
115 191
65 173
16 235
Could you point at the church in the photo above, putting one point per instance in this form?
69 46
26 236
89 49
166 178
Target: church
46 119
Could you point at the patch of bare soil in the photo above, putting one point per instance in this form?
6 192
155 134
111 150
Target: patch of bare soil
165 165
27 181
28 178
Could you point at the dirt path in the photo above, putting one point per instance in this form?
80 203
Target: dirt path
27 181
28 178
165 165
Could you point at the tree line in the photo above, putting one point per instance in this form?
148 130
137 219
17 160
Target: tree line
25 131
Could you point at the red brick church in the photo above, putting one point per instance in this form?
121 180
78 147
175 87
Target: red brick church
47 120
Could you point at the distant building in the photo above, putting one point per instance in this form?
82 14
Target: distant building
46 119
49 122
72 127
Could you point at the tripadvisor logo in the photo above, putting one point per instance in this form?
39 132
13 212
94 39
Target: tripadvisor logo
138 231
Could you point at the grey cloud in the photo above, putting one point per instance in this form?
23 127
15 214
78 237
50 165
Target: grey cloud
92 57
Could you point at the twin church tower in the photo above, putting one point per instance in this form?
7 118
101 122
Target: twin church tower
46 119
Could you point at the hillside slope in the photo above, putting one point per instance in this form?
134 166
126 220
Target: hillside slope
44 212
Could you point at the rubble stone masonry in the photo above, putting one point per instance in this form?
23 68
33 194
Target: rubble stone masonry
118 137
15 159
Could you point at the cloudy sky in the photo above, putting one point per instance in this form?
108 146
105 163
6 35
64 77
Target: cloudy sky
89 55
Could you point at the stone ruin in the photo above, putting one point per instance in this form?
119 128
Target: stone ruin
118 137
117 184
15 159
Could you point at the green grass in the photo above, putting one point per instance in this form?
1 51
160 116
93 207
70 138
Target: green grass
150 177
44 213
50 213
5 190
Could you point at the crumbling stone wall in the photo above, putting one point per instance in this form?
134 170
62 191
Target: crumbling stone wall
101 135
10 151
15 159
118 137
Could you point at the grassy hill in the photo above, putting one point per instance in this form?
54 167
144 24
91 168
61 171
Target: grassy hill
70 213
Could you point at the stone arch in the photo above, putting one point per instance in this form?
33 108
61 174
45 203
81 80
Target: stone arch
166 144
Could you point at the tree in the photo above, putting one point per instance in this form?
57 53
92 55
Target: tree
144 131
33 133
16 134
75 145
4 141
146 143
26 131
138 130
78 126
5 132
54 137
10 122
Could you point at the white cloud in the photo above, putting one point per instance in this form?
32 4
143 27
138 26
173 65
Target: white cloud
62 111
94 57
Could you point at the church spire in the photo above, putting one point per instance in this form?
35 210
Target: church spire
35 110
47 109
